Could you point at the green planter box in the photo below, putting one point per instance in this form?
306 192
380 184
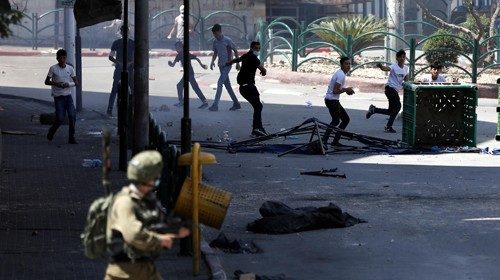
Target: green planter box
439 114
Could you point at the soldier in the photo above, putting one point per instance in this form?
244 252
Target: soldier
135 211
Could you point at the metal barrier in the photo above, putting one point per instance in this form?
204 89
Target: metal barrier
38 28
172 175
295 43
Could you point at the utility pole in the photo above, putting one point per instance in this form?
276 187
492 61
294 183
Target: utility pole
392 27
123 97
186 121
78 69
141 77
56 27
186 243
69 32
69 43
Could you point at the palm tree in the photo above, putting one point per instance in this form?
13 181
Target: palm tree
336 30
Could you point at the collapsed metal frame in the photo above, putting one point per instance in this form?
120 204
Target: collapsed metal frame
316 130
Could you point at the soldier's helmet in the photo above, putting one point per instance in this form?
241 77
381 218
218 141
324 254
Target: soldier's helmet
145 166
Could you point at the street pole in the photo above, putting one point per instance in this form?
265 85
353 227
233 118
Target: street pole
392 25
69 35
141 77
186 243
186 121
56 27
78 57
123 96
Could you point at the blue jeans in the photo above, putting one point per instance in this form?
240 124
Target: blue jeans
224 81
64 104
115 88
194 85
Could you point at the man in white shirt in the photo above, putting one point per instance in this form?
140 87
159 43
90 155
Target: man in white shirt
223 48
435 75
336 87
61 78
178 27
398 72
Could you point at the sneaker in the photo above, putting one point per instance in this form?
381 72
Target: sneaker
370 112
259 132
204 105
214 108
389 129
72 141
235 107
178 104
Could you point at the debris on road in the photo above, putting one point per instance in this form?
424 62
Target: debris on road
17 132
325 173
238 274
236 246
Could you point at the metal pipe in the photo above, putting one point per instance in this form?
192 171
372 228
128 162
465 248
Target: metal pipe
78 57
195 180
123 96
141 77
186 121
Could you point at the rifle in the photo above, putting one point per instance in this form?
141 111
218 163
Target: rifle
170 225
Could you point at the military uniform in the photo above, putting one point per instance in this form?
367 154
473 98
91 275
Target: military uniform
132 245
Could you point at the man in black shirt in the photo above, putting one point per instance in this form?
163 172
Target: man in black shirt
246 79
116 56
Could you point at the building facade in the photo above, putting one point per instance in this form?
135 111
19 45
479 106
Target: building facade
240 21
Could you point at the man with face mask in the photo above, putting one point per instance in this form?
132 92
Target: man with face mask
246 79
133 246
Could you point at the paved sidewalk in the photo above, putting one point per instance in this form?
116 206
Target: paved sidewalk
45 194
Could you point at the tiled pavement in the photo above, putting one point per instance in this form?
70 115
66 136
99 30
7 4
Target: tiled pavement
45 194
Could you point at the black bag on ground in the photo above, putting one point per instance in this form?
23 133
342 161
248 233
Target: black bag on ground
279 218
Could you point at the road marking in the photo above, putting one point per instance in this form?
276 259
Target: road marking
482 219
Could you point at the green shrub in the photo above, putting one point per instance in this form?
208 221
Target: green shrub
354 26
432 45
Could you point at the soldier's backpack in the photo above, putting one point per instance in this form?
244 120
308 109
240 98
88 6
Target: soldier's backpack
94 234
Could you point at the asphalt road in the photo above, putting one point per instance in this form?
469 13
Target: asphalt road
430 216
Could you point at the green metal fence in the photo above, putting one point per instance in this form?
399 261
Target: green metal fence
47 27
297 43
